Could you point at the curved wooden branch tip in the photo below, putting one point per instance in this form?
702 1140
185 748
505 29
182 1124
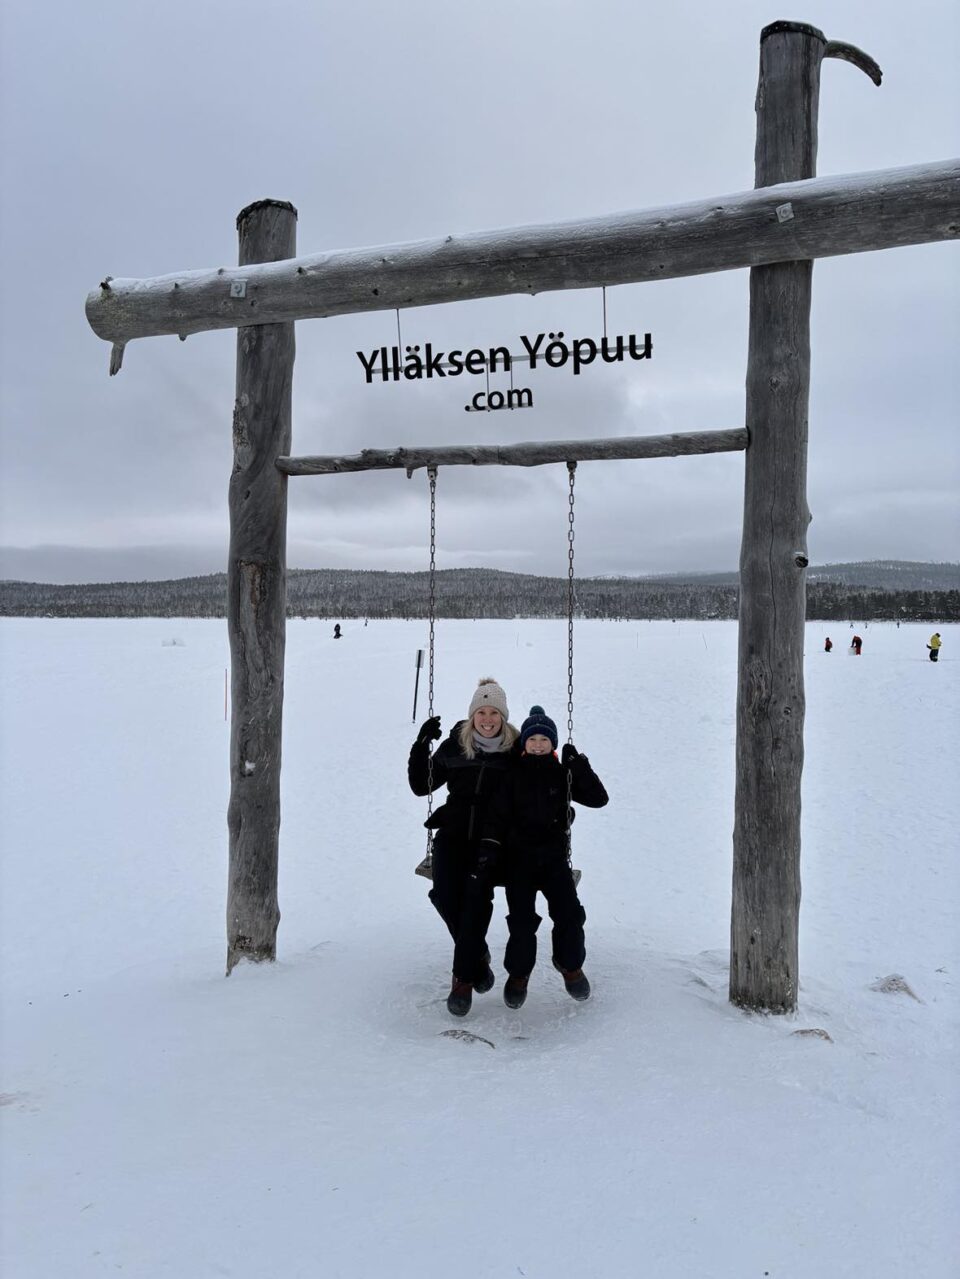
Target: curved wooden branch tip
850 53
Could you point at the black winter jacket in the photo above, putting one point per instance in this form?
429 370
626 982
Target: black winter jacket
470 783
528 816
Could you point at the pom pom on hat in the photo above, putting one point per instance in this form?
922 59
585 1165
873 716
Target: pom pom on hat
489 693
538 721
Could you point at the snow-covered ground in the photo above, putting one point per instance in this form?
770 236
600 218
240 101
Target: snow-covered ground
325 1117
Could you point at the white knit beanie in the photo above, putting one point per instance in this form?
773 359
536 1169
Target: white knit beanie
489 693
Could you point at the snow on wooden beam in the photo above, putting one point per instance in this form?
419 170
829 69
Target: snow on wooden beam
814 218
536 453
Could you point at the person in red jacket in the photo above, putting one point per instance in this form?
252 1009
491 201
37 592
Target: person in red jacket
856 644
827 644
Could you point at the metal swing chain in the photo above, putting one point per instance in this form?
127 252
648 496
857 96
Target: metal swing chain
432 475
572 471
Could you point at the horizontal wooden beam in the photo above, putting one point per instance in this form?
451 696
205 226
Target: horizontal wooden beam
819 217
535 453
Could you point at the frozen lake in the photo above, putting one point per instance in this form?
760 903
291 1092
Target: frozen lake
313 1117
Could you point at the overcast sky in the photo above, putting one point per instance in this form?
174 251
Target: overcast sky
133 133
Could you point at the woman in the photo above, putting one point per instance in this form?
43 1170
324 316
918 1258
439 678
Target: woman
472 762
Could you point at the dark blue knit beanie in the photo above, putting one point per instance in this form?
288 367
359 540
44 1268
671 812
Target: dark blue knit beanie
538 721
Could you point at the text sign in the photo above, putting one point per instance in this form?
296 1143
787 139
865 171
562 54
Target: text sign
547 349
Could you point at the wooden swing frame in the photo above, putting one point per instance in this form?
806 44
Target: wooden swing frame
777 230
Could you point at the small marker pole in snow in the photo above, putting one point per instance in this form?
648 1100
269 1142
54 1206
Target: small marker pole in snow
416 683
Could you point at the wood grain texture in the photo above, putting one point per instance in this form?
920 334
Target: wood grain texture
770 691
256 601
828 217
535 453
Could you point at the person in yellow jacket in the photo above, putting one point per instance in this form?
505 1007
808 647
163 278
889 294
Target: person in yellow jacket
934 646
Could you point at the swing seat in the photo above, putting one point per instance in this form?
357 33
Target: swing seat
425 868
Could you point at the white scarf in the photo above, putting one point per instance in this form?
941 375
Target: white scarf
488 745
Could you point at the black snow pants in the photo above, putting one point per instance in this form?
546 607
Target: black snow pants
552 877
462 895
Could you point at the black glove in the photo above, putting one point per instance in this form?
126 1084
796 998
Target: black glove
569 755
429 731
488 857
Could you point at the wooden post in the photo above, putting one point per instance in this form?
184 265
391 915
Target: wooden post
256 600
773 556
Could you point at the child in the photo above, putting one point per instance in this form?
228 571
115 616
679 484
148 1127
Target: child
526 833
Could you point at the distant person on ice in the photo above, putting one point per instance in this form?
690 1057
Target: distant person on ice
525 840
472 763
827 644
336 631
856 644
934 646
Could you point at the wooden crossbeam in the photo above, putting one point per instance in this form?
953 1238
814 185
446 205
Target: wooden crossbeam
792 221
534 453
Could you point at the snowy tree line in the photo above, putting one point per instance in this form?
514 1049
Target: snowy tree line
921 592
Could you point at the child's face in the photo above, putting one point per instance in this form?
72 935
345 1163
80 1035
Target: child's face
487 721
538 744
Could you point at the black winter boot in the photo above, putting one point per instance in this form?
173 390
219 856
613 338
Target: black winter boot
487 980
460 998
515 991
575 981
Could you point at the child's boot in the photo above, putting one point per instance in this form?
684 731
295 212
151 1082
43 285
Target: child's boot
575 981
515 991
486 981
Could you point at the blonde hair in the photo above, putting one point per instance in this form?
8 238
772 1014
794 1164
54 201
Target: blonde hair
510 735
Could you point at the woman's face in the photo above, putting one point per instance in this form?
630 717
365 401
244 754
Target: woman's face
487 721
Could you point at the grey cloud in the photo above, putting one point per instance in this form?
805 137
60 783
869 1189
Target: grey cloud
388 130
